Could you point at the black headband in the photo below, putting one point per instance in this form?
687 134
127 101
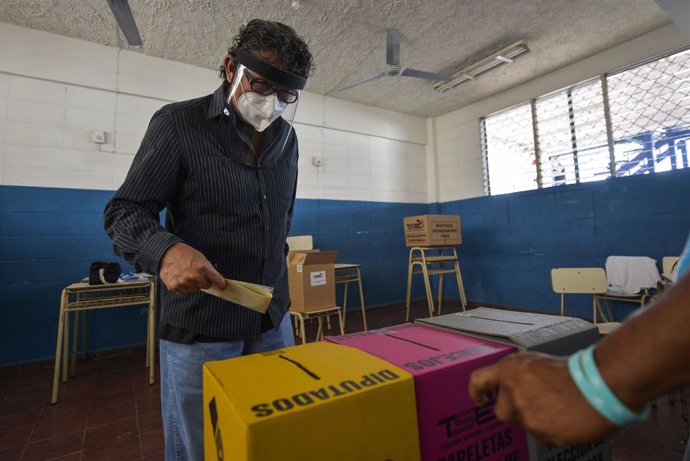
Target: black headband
261 67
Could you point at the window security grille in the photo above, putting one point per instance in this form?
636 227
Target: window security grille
650 115
571 133
562 138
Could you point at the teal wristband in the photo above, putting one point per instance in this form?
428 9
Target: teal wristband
583 369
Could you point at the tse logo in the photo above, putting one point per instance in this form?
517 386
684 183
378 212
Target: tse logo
417 225
469 419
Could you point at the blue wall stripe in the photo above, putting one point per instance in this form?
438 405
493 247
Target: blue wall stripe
511 242
48 238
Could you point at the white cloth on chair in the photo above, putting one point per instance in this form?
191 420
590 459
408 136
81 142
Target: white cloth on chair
630 274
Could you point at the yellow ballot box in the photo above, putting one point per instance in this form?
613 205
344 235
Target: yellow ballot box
309 403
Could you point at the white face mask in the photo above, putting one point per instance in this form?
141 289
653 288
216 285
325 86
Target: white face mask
259 110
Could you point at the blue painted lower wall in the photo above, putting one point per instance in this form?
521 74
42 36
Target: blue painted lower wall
511 242
366 233
49 237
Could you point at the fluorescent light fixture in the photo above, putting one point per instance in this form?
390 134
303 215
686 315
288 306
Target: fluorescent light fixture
503 56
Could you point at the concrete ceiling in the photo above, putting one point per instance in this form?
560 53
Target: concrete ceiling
348 37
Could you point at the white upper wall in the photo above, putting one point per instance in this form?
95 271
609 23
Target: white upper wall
53 57
457 134
55 90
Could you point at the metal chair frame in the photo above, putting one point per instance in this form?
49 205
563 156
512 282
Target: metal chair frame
432 261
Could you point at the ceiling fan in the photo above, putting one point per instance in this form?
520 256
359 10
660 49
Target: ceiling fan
393 67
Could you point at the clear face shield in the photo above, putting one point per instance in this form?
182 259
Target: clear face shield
263 95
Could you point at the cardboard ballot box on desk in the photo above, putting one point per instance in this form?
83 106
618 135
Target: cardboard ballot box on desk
451 426
311 276
315 402
550 334
432 230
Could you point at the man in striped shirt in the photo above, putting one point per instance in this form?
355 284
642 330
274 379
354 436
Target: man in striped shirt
224 167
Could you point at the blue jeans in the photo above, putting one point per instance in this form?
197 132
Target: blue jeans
181 386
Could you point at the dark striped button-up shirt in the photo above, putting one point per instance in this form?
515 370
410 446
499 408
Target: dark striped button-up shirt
229 192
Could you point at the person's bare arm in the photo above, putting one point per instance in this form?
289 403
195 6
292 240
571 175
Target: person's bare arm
647 356
185 270
650 354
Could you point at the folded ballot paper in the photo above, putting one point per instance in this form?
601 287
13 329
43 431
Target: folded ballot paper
250 295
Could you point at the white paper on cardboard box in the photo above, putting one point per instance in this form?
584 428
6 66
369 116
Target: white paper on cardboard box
311 278
318 278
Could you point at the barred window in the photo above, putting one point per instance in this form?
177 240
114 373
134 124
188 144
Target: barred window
571 133
650 117
562 138
509 151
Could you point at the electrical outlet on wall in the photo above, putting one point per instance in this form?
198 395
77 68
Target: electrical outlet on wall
316 161
98 137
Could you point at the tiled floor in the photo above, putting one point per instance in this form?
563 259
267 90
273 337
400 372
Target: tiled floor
109 411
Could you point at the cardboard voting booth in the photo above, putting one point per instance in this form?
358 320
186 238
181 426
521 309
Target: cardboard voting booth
550 334
451 426
311 276
309 403
432 230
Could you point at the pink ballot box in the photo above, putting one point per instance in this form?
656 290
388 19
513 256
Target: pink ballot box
451 427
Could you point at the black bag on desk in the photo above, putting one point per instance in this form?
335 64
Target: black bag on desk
103 272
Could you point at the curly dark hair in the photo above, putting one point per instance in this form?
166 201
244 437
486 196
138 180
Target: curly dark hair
278 39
